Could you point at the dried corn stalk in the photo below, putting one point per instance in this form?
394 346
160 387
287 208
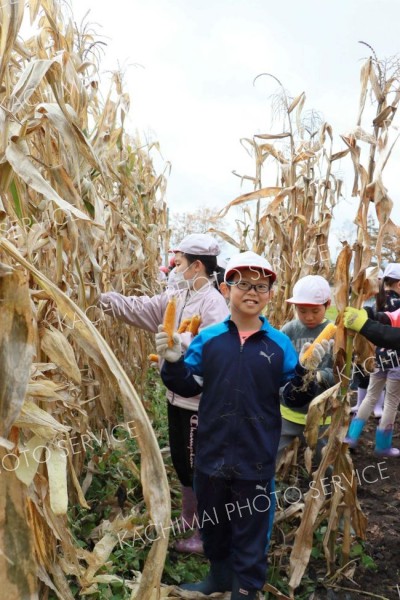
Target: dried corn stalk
290 222
383 81
16 353
82 209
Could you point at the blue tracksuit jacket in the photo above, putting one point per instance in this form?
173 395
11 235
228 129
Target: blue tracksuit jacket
239 412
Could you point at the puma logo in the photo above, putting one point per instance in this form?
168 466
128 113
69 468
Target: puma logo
268 357
260 487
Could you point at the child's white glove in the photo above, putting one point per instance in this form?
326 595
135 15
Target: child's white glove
317 354
163 350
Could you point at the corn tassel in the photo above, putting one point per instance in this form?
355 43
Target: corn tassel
169 320
326 334
194 325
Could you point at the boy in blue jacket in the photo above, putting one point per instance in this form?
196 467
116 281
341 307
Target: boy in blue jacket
239 365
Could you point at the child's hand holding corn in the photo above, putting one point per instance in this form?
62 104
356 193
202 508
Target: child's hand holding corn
165 350
313 359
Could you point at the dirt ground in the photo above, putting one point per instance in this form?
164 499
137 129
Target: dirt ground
380 502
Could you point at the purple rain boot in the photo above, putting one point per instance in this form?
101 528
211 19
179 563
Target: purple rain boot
190 545
383 442
378 410
188 517
361 393
188 521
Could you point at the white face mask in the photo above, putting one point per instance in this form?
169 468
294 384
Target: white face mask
177 280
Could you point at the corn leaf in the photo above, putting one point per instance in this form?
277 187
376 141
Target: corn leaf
59 350
16 347
153 477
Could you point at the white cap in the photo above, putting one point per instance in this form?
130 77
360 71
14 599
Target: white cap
221 262
249 260
370 270
312 289
392 270
198 244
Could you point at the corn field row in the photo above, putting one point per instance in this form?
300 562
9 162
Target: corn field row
82 211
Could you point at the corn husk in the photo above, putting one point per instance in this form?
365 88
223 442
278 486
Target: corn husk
56 463
30 459
59 350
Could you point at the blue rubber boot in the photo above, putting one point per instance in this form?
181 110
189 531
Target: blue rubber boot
354 432
219 579
240 593
383 442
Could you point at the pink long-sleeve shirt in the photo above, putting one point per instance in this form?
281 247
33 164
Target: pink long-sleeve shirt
148 313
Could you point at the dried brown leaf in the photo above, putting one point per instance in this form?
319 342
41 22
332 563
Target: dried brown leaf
16 540
339 155
300 98
315 414
272 136
16 347
383 116
364 77
342 278
59 350
28 173
262 193
153 477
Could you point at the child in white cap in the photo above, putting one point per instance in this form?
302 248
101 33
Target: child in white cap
193 283
387 373
239 366
311 298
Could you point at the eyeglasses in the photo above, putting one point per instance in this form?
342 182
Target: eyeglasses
246 286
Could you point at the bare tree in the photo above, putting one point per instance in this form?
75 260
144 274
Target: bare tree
199 221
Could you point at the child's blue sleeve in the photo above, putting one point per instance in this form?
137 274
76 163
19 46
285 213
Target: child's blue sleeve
290 362
194 355
295 392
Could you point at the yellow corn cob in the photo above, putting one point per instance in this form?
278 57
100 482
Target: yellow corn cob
169 320
194 325
184 325
153 357
326 334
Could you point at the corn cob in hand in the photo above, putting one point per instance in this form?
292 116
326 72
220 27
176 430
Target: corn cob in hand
312 354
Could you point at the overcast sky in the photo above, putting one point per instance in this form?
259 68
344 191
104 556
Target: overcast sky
190 65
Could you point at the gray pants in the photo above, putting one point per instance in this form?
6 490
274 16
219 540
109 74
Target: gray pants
292 430
377 381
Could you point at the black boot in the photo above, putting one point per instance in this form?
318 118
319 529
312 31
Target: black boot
240 593
219 579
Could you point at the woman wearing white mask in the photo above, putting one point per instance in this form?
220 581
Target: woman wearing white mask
193 283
